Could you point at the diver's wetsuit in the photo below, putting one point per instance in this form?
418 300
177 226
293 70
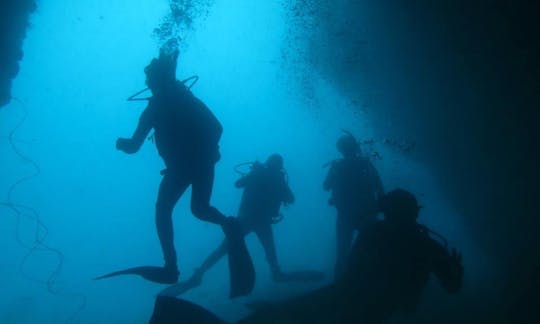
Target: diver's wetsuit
186 136
264 192
355 186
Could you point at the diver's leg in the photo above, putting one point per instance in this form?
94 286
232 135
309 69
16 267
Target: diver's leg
170 190
266 237
210 261
201 192
344 234
219 252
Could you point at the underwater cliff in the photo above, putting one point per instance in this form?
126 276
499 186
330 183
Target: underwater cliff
15 16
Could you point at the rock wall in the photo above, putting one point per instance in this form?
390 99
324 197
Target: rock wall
14 15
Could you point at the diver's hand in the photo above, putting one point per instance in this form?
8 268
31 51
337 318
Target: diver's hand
126 145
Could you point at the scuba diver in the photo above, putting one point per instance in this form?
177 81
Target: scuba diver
356 187
265 190
393 259
186 134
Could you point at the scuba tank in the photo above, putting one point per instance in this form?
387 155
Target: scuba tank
245 168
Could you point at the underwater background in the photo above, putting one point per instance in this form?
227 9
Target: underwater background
443 96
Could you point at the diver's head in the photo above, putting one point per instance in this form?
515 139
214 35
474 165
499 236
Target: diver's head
161 72
348 146
274 162
400 206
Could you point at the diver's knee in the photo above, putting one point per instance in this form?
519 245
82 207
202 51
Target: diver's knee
199 210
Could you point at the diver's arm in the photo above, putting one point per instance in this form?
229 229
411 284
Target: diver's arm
288 196
447 267
133 144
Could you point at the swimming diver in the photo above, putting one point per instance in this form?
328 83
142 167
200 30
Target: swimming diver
187 135
356 186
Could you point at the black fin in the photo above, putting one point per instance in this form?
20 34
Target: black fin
169 310
155 274
242 272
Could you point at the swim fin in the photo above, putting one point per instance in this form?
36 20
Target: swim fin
169 310
160 275
241 269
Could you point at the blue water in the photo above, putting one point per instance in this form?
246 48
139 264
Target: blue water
82 60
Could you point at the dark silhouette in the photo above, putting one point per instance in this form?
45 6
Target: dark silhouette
15 16
388 268
186 134
169 310
356 187
265 190
150 273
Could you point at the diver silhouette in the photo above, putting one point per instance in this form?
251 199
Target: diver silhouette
388 268
187 135
265 190
356 186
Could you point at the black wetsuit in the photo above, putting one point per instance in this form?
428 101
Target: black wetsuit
186 135
264 192
355 186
